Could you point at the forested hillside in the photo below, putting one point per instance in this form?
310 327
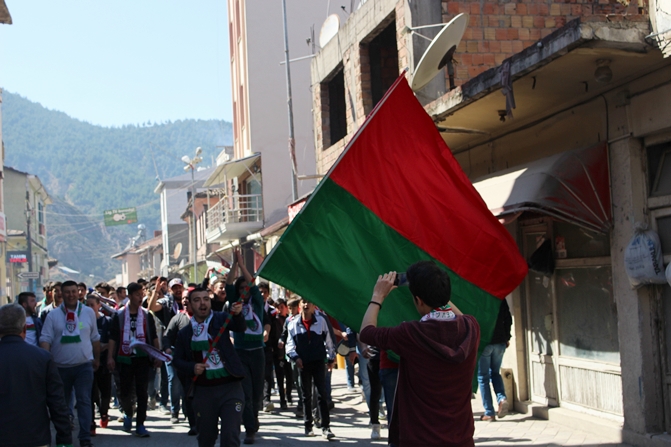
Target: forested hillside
95 168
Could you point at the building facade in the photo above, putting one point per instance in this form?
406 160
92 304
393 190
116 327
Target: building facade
577 163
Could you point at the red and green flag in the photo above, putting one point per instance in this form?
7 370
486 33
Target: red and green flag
394 197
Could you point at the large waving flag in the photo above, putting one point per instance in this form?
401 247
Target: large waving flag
396 196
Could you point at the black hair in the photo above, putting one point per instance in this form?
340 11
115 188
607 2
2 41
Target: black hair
68 283
133 287
141 281
191 285
23 297
58 285
81 284
93 296
430 283
103 285
197 289
238 284
119 289
153 278
264 285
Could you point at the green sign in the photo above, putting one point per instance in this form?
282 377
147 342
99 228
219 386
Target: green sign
120 217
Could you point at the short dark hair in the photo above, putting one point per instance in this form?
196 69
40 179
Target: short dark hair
141 281
133 287
153 278
81 284
93 296
68 283
103 285
23 297
57 284
430 283
119 289
281 301
264 285
197 289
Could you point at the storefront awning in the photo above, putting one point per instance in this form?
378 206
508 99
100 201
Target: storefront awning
572 186
231 169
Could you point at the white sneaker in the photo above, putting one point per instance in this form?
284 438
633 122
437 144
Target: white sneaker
375 434
503 408
269 407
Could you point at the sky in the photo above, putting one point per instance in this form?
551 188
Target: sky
119 62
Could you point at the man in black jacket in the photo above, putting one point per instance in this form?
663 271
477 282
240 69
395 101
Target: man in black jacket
31 390
215 375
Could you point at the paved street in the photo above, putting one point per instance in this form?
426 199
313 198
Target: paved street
350 425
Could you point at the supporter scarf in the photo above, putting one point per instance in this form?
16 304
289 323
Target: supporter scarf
125 350
254 327
200 341
443 313
72 325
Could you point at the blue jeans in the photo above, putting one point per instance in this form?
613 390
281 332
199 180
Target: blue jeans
489 369
176 390
389 377
350 373
80 378
363 376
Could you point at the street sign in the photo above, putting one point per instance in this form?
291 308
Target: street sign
28 275
120 217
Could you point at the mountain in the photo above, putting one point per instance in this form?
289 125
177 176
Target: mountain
91 168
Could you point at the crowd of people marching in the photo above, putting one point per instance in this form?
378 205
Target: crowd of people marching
218 350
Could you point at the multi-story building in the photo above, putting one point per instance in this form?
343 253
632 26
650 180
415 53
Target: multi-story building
141 261
582 161
25 201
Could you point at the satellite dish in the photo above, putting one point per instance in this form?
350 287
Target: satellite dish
440 51
178 250
329 29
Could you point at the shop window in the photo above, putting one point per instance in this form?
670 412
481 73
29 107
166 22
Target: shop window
572 241
582 295
383 60
664 232
659 169
334 90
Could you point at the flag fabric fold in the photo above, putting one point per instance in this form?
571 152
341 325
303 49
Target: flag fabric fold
394 197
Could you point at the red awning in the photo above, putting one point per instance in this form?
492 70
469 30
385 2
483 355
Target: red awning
572 186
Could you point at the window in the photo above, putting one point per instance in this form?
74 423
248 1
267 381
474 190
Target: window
659 169
383 58
334 109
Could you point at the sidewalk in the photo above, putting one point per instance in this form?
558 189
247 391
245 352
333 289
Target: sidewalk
349 422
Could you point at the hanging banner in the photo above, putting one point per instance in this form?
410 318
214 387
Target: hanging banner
123 216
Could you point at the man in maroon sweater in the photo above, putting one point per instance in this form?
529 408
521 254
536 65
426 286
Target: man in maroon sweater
438 355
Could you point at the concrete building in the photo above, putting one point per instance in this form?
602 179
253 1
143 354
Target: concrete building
25 202
142 261
583 160
174 196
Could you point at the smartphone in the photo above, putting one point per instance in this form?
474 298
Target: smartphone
401 279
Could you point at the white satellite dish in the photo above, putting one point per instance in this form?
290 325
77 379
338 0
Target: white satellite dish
440 51
178 251
329 29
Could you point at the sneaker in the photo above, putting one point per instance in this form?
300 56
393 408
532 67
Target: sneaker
192 431
503 408
115 405
351 389
269 407
327 433
163 409
486 418
121 418
375 434
283 406
309 432
299 413
381 415
127 424
174 419
151 405
104 420
141 432
85 443
249 438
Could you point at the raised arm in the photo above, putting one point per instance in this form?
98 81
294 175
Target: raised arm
248 276
153 303
233 273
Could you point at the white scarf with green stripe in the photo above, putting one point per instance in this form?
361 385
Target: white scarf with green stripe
201 341
71 330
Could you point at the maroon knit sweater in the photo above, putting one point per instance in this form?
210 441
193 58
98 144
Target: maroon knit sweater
432 406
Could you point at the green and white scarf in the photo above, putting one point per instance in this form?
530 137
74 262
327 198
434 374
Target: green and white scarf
443 313
254 326
201 341
71 330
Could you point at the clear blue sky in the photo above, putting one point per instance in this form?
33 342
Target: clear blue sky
119 62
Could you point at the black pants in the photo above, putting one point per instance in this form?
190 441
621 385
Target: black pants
268 379
314 372
219 403
102 391
375 389
284 375
165 386
134 377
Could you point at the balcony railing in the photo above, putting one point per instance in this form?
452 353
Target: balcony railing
235 209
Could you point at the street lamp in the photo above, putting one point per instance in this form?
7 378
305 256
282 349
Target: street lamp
190 165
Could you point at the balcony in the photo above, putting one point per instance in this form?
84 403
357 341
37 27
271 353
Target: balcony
233 217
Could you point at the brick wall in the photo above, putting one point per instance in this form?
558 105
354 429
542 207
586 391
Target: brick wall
497 30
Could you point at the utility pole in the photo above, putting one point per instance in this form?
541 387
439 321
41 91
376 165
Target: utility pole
29 240
290 107
193 225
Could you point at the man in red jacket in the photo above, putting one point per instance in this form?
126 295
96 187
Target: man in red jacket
432 406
